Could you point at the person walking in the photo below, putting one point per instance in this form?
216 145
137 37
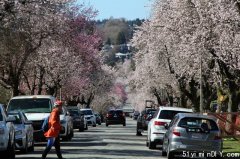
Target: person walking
52 134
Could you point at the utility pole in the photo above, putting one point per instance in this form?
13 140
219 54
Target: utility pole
201 86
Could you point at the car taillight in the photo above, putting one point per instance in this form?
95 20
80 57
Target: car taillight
121 114
217 137
109 115
159 123
145 116
176 132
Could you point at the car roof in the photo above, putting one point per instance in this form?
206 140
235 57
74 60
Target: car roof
195 115
14 112
176 108
115 110
33 96
86 109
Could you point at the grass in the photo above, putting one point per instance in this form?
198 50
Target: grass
231 145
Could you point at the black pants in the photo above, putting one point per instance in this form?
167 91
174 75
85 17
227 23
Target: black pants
56 144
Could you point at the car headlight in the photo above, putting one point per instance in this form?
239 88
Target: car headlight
18 132
1 130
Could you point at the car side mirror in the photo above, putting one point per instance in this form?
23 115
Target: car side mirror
11 119
166 126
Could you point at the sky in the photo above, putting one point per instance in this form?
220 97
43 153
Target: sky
128 9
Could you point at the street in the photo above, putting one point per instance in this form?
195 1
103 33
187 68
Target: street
102 142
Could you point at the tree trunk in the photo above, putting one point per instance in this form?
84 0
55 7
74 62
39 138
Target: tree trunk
40 84
157 95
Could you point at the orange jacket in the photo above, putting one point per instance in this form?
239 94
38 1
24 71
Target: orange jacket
53 124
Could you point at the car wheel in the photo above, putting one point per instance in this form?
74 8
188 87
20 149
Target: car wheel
106 124
66 138
151 145
164 153
138 133
124 124
31 148
94 125
170 155
10 153
71 134
81 129
25 149
99 123
86 128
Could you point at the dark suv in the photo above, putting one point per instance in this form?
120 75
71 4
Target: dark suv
115 117
78 118
143 120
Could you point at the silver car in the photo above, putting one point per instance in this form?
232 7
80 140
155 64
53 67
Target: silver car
7 133
23 132
192 136
66 120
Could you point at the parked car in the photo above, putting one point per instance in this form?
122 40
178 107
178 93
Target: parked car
78 118
192 133
98 118
143 119
156 129
115 117
23 132
7 133
36 109
89 115
135 115
66 120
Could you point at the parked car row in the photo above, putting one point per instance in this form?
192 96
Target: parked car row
178 130
21 122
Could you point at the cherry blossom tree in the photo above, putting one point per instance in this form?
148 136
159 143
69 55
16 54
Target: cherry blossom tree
183 35
24 26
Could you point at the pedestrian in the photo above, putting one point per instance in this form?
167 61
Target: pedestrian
52 135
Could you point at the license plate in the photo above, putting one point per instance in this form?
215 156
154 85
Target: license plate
196 136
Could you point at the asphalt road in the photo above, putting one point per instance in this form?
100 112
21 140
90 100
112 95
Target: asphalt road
101 142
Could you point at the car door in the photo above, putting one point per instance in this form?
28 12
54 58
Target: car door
28 127
168 133
69 119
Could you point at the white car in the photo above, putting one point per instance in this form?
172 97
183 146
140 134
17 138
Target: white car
156 126
89 115
36 109
66 120
23 132
7 133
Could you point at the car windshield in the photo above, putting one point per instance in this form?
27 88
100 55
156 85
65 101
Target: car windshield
191 122
40 105
87 112
168 114
17 118
73 112
150 111
115 112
